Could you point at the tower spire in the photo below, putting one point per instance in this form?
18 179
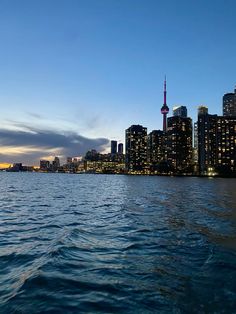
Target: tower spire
165 91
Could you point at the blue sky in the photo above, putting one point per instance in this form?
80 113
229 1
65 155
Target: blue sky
89 69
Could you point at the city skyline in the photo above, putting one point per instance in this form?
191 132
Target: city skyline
76 76
110 145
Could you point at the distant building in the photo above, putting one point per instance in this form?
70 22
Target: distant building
17 167
136 149
180 111
202 110
179 143
56 164
103 166
206 140
92 155
195 147
226 144
113 147
69 160
155 148
120 148
216 144
229 104
44 165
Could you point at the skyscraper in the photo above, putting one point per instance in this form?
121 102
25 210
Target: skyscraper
120 148
56 163
229 104
180 111
206 127
164 109
226 144
195 147
113 147
136 149
179 143
216 144
155 148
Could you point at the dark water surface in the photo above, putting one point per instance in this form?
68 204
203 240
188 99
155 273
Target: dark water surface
117 244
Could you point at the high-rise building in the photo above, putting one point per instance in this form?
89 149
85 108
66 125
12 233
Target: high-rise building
120 148
155 148
164 109
179 143
202 110
180 111
216 144
195 147
226 144
206 140
44 165
229 104
113 147
56 163
136 149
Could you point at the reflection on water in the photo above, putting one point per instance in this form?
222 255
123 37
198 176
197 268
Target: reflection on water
125 244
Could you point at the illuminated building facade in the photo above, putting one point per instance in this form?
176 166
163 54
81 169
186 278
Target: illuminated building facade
202 137
207 130
136 149
103 166
226 144
229 104
195 147
216 144
179 143
155 148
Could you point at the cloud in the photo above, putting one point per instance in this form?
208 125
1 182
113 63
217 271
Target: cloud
29 145
35 115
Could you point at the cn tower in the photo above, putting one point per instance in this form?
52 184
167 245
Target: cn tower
164 108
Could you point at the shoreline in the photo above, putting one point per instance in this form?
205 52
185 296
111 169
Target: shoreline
129 174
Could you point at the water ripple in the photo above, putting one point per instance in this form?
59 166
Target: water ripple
116 244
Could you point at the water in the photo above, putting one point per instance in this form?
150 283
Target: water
117 244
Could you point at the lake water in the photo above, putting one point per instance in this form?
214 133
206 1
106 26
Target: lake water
117 244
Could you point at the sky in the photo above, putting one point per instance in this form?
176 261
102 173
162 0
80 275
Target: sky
74 74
